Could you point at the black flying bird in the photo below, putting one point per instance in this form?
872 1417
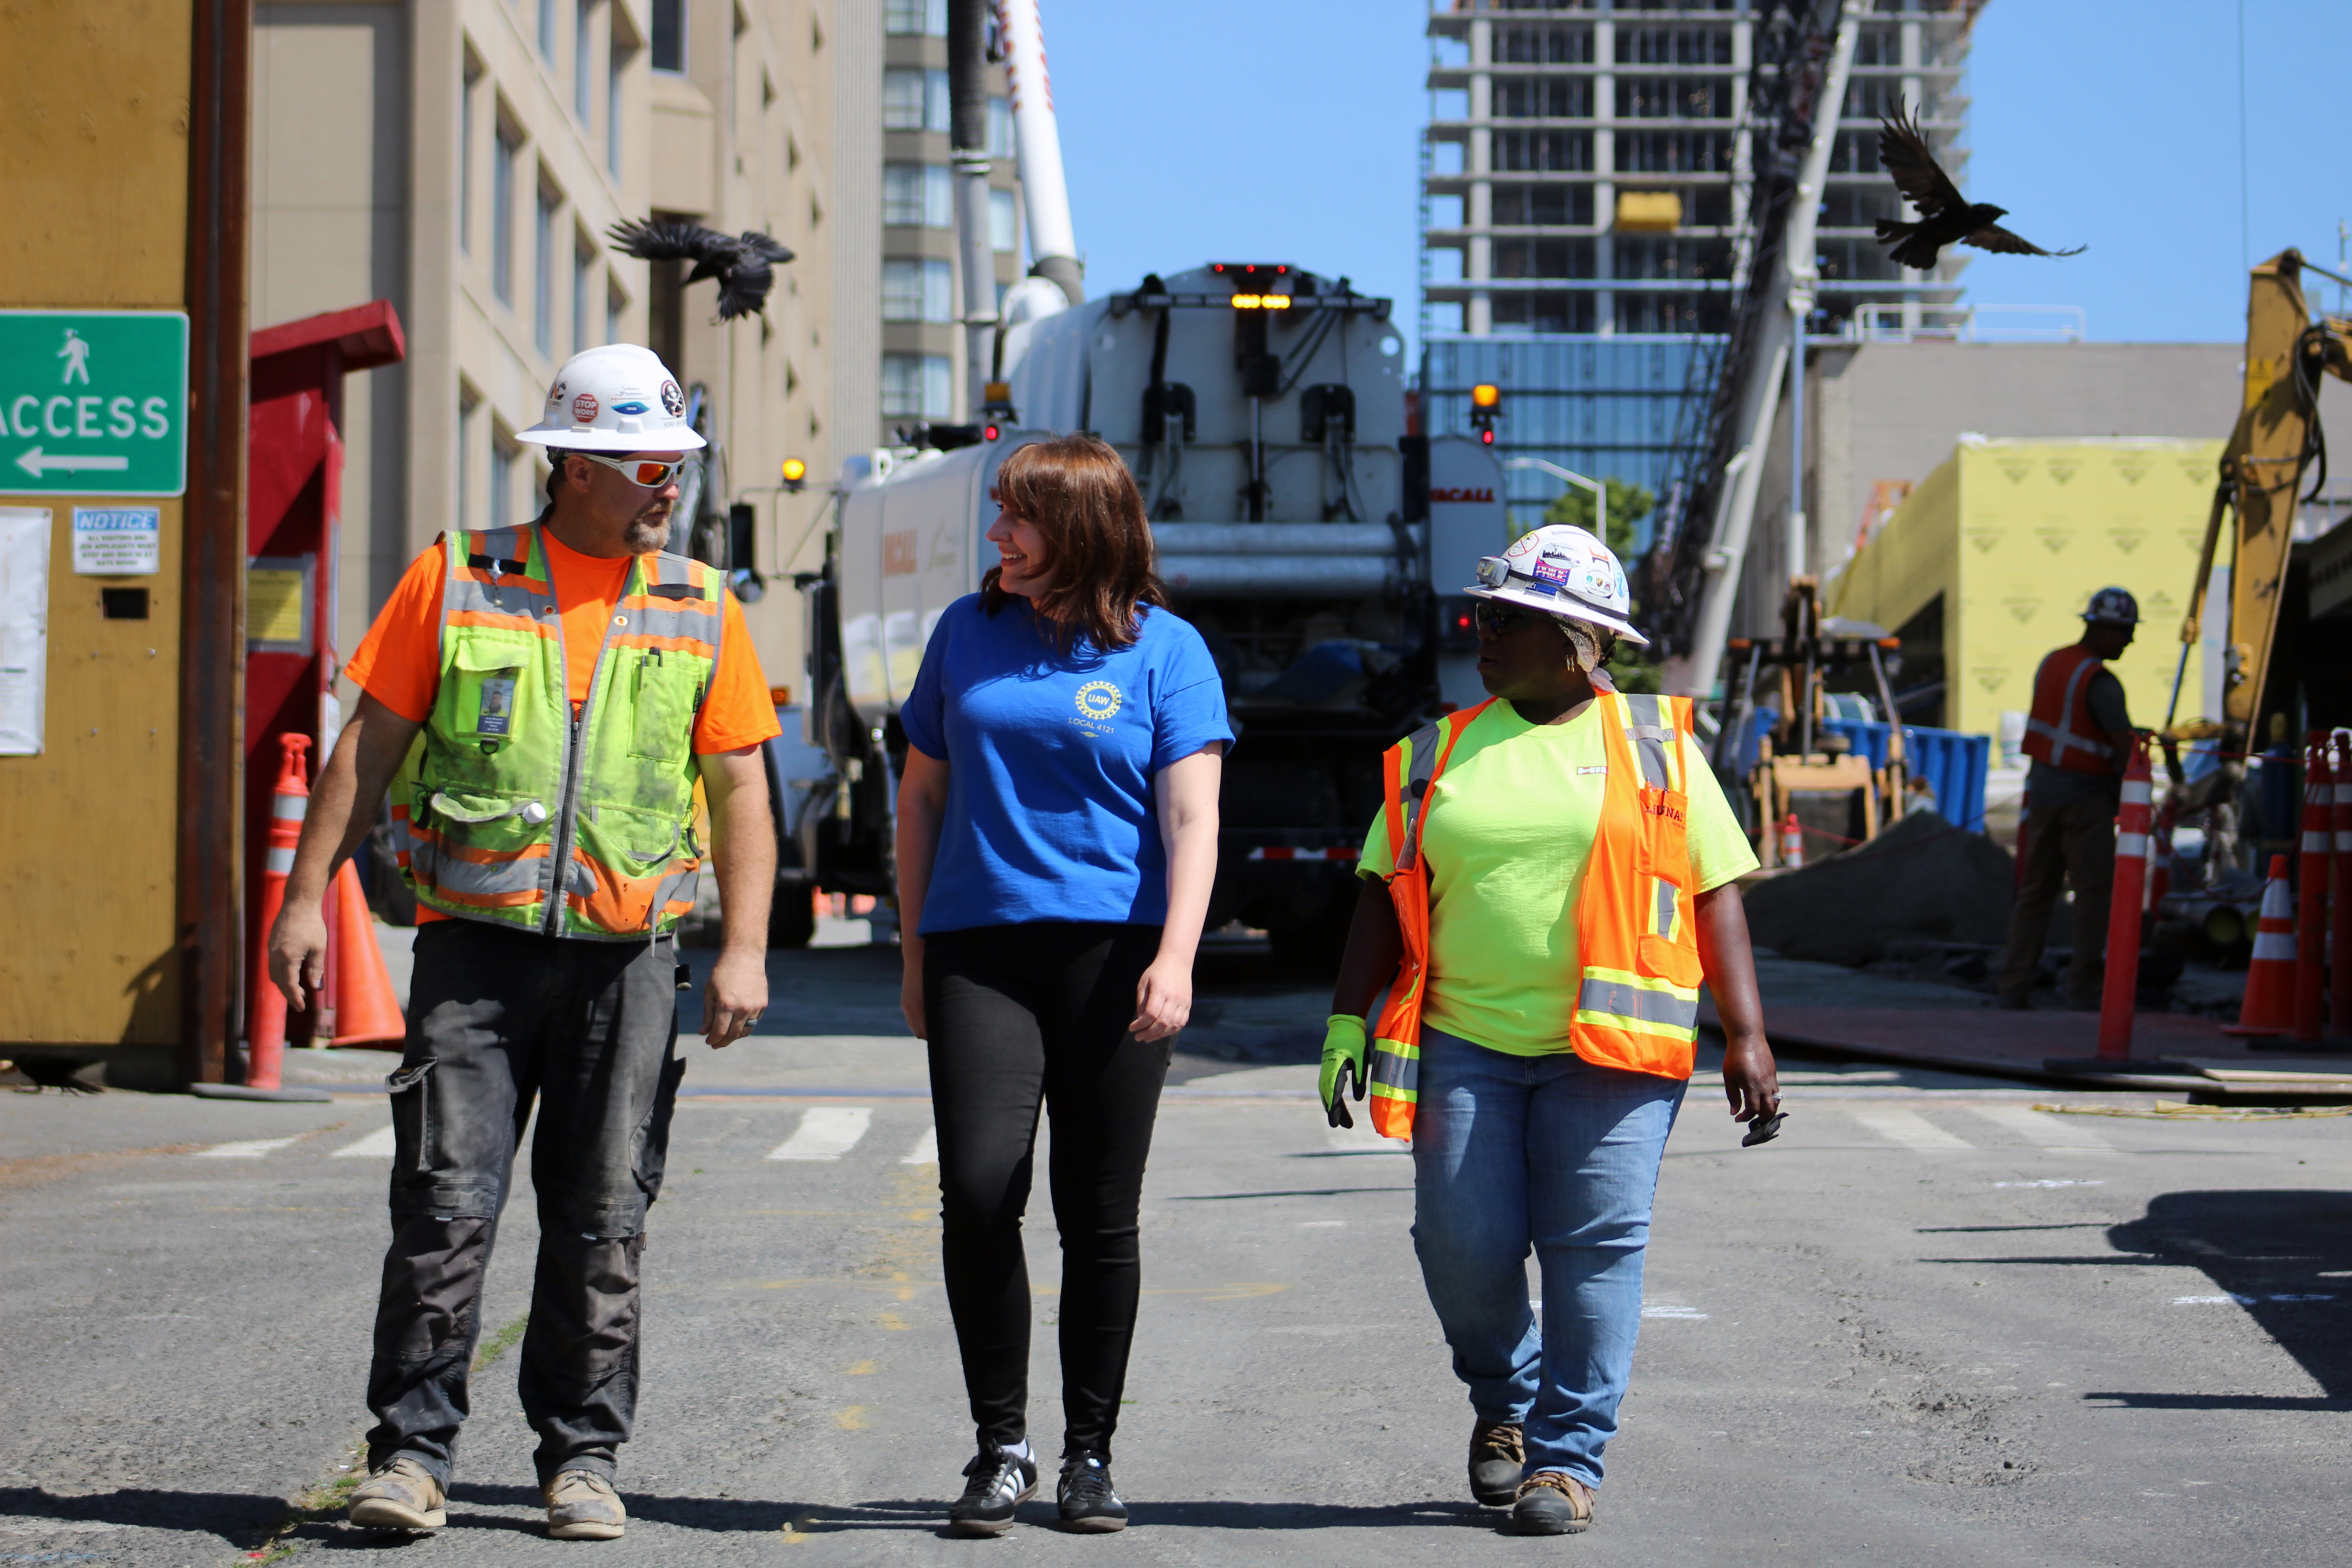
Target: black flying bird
744 264
1945 218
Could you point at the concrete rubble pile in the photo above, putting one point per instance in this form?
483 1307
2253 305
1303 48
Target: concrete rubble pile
1921 880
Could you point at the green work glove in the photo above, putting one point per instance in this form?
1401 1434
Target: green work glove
1343 1055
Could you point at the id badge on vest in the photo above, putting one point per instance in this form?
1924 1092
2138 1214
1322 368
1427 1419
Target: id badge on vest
495 714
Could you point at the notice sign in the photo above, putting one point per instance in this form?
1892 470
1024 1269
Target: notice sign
118 541
93 403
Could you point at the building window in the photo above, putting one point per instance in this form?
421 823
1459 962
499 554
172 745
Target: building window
669 34
467 404
1548 311
503 481
914 18
1671 313
466 95
1534 207
547 30
1543 98
918 290
913 99
1544 152
1674 46
1000 128
616 308
613 76
918 196
919 385
1544 46
1657 256
583 59
502 200
1543 258
543 305
583 291
1004 222
1674 98
1674 152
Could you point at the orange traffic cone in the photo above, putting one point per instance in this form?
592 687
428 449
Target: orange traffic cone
2269 1007
365 1011
265 1004
1792 843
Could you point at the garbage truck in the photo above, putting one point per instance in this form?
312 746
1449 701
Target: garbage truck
1315 544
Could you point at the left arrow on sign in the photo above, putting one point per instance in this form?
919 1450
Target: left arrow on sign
35 464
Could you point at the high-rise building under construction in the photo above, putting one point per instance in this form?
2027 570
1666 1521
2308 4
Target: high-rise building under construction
1585 214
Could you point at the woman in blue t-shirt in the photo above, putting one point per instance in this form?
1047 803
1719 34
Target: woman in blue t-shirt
1057 837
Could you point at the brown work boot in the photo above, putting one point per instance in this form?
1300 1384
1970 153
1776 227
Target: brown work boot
399 1495
1552 1502
583 1506
1498 1454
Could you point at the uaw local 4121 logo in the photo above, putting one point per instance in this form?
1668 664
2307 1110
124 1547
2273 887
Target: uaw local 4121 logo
1097 701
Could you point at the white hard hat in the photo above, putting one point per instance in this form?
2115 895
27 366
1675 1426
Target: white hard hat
617 398
1565 572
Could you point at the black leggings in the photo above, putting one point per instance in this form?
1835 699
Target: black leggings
1018 1014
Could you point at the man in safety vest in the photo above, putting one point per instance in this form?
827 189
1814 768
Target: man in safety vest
2080 739
549 697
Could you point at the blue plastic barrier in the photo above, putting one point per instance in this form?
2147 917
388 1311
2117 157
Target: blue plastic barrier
1953 764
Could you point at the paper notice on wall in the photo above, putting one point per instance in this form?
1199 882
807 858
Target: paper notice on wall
23 627
118 541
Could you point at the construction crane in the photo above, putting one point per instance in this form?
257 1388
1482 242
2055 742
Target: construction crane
2276 440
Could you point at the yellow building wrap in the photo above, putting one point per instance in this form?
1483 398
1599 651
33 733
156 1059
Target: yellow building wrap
2015 536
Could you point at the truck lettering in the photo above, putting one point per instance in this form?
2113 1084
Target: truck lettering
898 553
1458 494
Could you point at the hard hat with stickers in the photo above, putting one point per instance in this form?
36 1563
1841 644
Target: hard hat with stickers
1562 571
616 398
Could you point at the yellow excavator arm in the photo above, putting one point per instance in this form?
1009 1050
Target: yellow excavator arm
2276 439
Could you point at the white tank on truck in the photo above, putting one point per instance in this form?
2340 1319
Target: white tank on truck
1262 409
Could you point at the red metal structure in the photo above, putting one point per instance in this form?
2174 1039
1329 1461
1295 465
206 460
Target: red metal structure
295 491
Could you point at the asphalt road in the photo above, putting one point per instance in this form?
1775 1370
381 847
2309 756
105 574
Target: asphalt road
1928 1325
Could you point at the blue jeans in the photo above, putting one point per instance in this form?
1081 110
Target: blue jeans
1555 1153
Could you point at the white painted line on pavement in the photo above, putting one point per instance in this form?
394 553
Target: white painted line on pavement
1322 1224
825 1132
2048 1183
1685 1313
2049 1131
1909 1129
376 1145
246 1149
2246 1300
29 1524
925 1150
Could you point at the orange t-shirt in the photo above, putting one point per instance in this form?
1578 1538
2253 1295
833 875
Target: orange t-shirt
399 661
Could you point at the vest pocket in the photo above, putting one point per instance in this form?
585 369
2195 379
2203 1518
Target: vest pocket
667 690
488 689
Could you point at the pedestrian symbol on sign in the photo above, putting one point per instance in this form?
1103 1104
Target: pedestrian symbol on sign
76 353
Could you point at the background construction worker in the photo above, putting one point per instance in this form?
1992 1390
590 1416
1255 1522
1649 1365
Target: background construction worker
1552 877
570 681
2080 739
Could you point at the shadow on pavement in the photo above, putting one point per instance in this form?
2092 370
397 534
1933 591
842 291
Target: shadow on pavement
238 1517
2283 1257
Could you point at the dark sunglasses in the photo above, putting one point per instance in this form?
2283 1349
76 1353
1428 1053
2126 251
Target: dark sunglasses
1501 620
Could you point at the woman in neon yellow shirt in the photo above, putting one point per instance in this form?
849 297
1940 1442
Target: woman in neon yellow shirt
1518 1142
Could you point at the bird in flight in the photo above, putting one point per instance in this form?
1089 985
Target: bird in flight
744 264
1945 217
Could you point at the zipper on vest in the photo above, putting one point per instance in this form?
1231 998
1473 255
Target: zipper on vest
571 782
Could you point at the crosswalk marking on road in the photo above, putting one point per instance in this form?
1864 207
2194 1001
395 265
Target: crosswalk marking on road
825 1132
2049 1131
246 1148
376 1145
1909 1129
925 1150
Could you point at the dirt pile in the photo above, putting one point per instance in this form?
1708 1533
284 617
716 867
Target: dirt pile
1921 880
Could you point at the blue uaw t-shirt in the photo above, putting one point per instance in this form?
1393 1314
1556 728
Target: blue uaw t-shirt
1050 758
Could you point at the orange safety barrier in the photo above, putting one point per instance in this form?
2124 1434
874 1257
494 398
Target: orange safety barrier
2339 953
2269 1007
265 1017
2122 988
2310 887
366 1013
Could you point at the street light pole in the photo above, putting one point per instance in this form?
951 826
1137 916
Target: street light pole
1599 492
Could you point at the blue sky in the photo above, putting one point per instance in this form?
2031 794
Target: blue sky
1288 131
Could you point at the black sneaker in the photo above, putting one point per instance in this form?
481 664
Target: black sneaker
1087 1501
1000 1483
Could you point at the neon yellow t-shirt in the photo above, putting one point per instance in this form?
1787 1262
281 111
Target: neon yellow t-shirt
1506 832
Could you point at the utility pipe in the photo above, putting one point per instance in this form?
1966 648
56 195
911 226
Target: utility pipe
968 150
1037 137
1759 395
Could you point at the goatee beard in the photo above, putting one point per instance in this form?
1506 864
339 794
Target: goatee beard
645 535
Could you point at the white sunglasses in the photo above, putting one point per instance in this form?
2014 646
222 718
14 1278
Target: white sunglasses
651 473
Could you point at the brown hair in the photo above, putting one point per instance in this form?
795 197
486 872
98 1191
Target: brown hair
1080 497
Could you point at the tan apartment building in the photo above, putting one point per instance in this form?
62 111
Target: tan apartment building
466 159
922 349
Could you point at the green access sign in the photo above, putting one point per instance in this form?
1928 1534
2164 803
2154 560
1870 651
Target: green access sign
93 403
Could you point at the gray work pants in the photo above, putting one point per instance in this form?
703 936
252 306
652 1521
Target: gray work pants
2073 846
498 1017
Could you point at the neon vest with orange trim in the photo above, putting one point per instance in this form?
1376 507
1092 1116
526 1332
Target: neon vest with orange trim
1635 999
2058 730
505 784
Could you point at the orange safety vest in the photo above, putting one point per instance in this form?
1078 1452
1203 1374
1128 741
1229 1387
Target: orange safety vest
1637 965
2058 730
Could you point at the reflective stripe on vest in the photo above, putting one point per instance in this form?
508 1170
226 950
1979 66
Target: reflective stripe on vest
2060 721
519 811
1635 1004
